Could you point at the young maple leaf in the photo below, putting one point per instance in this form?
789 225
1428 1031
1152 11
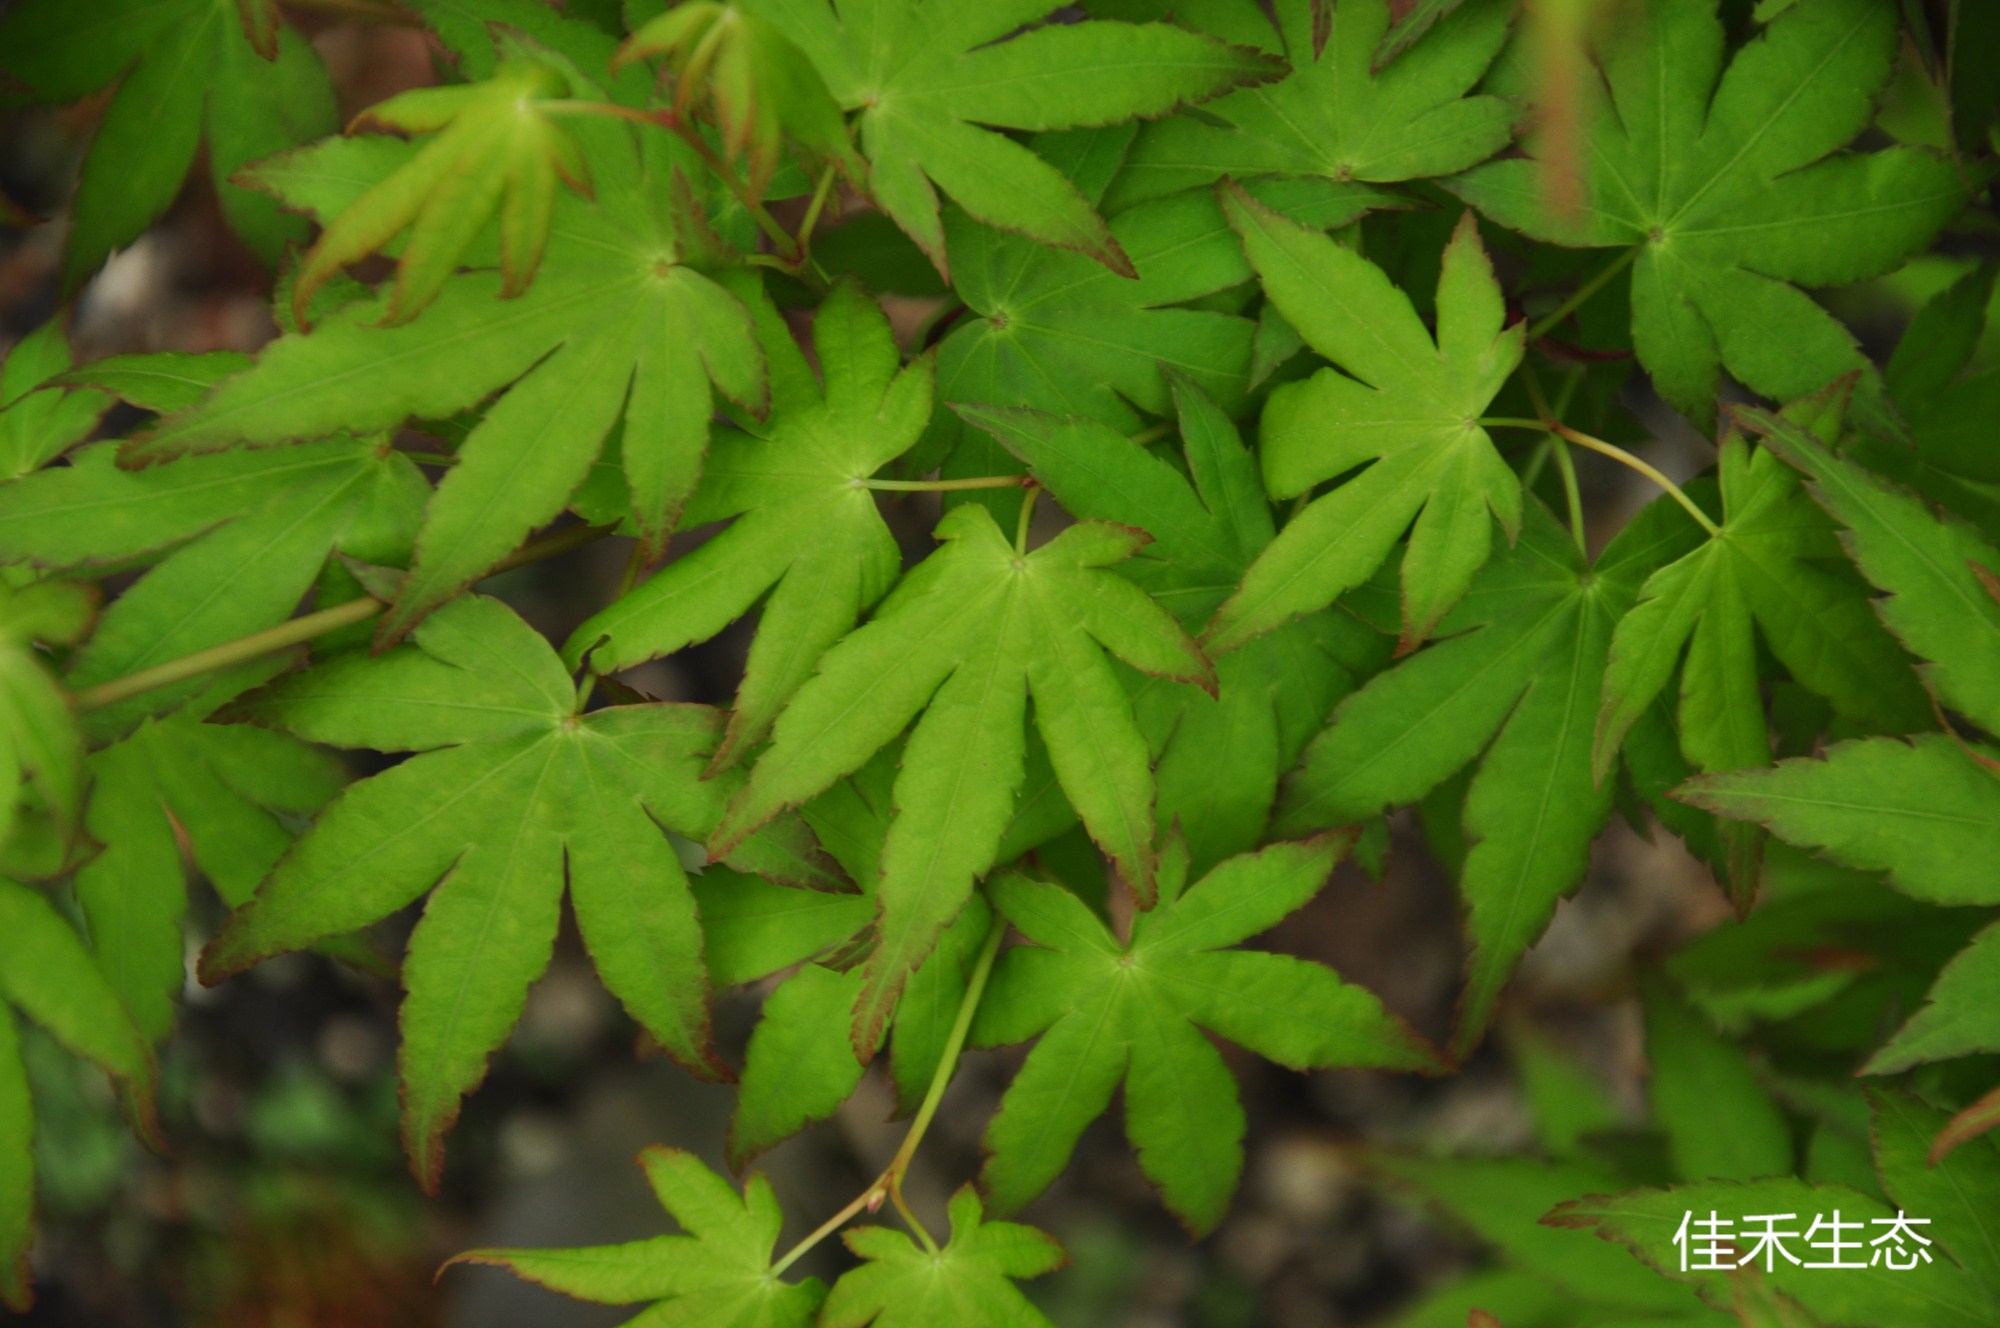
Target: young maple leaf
1217 758
1927 810
497 151
38 420
763 88
1515 687
718 1274
964 639
1730 188
934 80
1773 571
616 328
969 1282
39 744
189 72
1336 114
1132 1011
804 520
1407 403
47 975
511 790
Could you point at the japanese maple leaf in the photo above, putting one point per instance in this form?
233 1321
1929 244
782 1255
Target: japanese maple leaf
38 420
511 791
1774 571
1336 114
1729 190
188 72
47 975
1109 1011
718 1274
963 640
1217 758
39 744
804 520
934 80
1515 686
1404 402
1053 330
615 329
970 1281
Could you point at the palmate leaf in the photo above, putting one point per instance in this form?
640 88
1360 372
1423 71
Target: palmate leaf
964 639
718 1275
221 788
615 329
497 152
1217 758
1344 112
39 421
806 528
46 974
39 743
1957 1017
970 1281
189 72
1731 186
1407 403
511 790
249 533
933 80
1109 1011
1516 686
1774 571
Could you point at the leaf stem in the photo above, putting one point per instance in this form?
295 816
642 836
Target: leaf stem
947 486
1027 519
1645 468
1549 321
788 248
431 458
299 630
821 192
1572 495
889 1185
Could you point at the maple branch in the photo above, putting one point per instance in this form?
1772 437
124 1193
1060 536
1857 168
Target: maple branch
298 631
1548 322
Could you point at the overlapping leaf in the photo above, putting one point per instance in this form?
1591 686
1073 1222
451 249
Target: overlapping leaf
617 329
1217 758
933 80
39 421
1731 186
718 1274
964 639
1408 404
1516 687
1957 1018
970 1281
39 744
46 974
806 528
1337 114
511 790
189 72
1109 1011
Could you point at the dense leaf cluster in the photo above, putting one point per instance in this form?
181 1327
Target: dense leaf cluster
1262 344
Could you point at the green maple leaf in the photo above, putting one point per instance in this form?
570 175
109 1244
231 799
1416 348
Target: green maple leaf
1217 758
1410 408
47 975
510 789
38 420
1053 330
1515 686
245 536
1775 570
1730 189
39 744
964 639
806 528
1957 1015
616 329
497 153
189 72
224 788
718 1274
934 80
1108 1011
1338 114
970 1281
